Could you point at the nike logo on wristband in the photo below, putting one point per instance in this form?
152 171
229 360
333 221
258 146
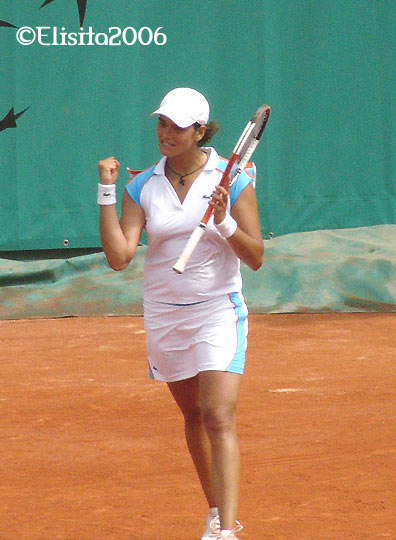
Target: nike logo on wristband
206 197
106 194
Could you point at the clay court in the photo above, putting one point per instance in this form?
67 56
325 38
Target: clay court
93 450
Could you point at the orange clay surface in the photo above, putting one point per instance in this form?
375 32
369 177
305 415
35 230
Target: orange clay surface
91 449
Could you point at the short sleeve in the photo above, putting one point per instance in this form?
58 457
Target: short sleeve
246 177
135 185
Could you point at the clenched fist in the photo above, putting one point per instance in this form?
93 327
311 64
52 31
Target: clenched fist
108 170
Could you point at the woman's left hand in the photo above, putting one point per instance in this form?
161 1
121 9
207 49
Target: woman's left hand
219 204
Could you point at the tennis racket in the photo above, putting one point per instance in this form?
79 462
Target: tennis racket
240 156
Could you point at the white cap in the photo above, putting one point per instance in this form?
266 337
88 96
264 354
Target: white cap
184 106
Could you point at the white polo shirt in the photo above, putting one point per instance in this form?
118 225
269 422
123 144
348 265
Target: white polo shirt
213 269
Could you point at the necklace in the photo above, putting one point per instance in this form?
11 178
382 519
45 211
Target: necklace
182 176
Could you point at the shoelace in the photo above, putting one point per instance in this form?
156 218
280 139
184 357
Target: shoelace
238 527
215 527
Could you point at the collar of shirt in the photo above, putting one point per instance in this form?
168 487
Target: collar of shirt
210 165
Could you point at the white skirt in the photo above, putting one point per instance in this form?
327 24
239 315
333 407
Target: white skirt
183 340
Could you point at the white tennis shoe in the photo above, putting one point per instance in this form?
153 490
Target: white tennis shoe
212 529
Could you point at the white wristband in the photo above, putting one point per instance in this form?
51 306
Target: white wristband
106 194
227 227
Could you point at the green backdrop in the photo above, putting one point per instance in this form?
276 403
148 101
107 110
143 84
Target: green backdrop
326 67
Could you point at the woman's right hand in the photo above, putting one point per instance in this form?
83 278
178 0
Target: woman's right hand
108 170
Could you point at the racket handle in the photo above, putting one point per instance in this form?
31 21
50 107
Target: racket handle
188 250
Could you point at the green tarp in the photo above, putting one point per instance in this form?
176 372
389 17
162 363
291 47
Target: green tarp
334 270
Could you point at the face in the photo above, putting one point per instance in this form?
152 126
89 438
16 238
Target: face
174 140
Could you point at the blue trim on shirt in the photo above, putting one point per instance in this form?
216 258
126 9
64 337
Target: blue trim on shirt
135 186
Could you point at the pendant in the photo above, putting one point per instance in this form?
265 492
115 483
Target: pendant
181 181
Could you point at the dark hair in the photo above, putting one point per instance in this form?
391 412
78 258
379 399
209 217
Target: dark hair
211 129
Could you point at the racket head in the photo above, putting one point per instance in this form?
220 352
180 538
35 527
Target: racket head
258 123
249 141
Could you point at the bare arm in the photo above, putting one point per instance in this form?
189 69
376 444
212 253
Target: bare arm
247 241
120 238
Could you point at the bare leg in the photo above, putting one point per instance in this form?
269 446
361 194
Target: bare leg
186 395
219 395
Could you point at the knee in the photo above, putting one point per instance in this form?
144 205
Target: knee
219 420
193 416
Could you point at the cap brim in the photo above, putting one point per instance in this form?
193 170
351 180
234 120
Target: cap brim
176 118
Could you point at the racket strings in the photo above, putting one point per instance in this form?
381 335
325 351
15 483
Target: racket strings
244 137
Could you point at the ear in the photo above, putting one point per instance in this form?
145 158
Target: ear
199 133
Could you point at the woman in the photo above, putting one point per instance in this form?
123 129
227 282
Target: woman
196 323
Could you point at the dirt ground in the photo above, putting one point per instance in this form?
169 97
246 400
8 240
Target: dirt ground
91 449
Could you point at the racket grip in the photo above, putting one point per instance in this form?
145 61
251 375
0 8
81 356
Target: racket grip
188 250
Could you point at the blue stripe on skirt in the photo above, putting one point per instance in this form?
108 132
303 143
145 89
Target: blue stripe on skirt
238 362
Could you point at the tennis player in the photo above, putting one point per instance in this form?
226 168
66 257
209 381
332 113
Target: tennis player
196 322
